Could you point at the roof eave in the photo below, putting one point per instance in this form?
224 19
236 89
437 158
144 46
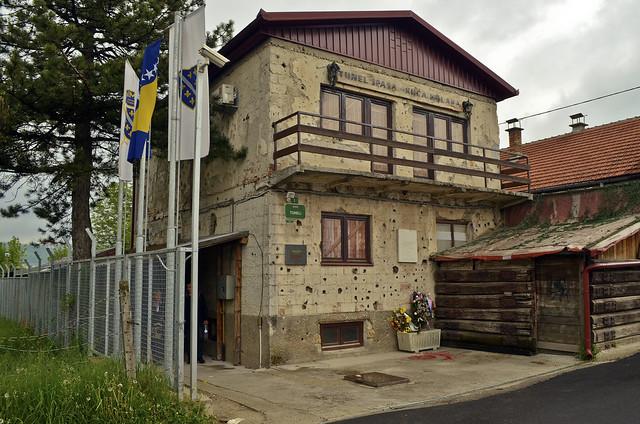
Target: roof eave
236 47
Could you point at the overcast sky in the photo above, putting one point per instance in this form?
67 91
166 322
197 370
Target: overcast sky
555 52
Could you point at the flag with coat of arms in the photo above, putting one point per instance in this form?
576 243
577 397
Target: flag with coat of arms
147 101
129 99
192 37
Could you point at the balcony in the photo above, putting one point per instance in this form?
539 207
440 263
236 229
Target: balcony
311 148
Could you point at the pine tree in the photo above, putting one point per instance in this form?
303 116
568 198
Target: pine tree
61 73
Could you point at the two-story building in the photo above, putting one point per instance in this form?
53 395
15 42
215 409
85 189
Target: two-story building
372 142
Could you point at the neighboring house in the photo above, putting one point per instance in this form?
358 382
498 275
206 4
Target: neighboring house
372 142
586 210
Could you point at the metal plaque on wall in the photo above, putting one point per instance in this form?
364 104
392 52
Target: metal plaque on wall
295 254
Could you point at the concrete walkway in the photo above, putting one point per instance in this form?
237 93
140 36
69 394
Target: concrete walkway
316 392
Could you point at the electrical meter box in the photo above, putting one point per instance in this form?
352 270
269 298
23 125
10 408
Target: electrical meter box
226 287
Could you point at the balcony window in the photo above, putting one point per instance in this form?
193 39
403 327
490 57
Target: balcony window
343 111
450 234
346 239
437 131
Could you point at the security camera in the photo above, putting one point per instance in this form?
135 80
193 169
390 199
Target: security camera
213 56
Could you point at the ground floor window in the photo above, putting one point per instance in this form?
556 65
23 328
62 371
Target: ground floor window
450 234
341 335
346 239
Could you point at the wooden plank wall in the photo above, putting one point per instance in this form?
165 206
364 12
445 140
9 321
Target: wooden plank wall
486 304
559 302
615 307
625 249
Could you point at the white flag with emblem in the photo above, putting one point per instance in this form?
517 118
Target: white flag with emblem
129 99
192 38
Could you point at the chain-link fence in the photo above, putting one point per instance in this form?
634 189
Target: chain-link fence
79 302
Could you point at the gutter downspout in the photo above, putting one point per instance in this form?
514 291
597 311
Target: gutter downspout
586 298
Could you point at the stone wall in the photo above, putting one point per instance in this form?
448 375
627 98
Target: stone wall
313 293
298 72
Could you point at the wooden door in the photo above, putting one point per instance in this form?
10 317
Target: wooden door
558 309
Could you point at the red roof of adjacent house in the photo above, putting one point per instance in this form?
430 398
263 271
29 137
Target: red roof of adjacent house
595 154
398 40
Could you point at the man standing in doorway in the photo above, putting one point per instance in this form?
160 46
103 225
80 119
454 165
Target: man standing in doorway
202 323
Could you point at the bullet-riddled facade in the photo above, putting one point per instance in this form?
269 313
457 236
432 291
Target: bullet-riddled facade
364 156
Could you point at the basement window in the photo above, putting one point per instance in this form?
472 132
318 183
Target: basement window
346 239
341 335
450 234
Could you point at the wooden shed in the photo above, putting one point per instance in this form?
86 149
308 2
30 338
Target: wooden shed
521 289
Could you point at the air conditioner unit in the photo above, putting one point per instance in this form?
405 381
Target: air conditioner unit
225 95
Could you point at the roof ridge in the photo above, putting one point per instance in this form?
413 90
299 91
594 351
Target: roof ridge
581 132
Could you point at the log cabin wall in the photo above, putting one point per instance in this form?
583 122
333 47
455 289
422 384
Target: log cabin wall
487 304
615 307
559 302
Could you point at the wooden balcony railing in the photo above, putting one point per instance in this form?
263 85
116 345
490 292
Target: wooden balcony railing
303 132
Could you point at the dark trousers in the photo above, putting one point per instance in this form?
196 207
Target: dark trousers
187 342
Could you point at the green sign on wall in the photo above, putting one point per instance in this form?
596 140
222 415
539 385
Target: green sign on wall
294 211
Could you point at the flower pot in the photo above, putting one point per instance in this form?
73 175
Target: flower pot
417 341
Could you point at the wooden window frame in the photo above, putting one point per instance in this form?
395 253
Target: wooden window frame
339 325
430 116
344 239
366 116
451 223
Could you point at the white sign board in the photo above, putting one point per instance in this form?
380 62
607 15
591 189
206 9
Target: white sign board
407 246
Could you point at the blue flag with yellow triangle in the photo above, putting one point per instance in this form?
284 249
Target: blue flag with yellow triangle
146 101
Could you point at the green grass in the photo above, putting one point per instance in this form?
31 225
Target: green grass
65 386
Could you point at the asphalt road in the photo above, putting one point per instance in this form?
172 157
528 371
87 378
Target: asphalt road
602 394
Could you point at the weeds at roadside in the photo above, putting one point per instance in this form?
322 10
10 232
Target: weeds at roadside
51 385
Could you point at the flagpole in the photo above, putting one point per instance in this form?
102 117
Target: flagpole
195 224
146 200
174 102
174 124
137 336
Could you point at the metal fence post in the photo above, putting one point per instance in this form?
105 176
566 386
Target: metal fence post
67 300
128 278
179 321
106 311
92 290
169 317
119 263
149 305
49 300
137 308
78 296
60 324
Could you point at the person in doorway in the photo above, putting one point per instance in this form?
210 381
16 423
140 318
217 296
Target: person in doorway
202 323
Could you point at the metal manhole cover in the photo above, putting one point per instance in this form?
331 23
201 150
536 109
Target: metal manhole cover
376 379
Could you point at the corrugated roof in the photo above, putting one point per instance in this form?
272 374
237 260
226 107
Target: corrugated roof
591 155
299 27
516 243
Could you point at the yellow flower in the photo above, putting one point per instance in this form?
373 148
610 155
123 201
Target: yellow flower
402 310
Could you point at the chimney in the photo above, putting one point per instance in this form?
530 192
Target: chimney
577 122
515 133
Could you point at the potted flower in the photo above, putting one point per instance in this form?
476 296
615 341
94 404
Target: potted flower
401 321
415 332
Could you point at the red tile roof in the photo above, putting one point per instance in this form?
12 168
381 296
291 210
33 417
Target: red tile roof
591 155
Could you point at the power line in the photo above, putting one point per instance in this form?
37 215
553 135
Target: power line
576 104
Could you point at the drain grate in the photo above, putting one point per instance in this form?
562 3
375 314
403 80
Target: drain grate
376 379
